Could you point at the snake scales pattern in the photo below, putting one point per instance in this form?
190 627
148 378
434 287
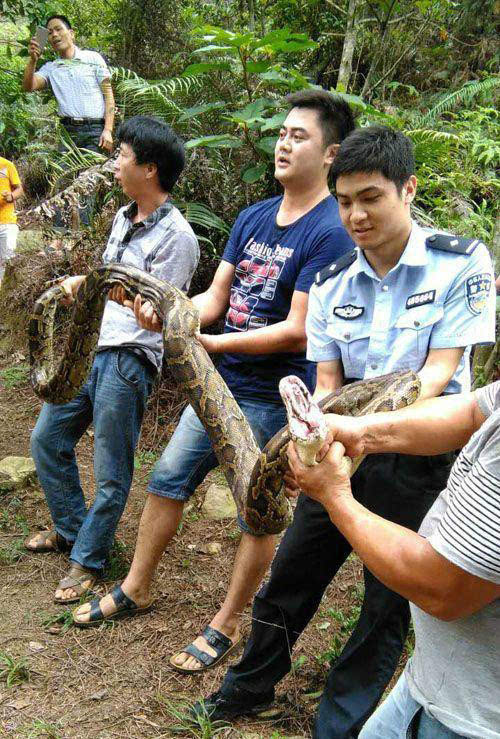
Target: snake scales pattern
255 477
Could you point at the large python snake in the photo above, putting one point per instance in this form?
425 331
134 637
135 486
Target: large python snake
255 477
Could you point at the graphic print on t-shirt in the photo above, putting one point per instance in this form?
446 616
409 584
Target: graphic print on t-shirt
256 279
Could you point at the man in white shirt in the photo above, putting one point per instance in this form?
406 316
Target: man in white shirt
81 83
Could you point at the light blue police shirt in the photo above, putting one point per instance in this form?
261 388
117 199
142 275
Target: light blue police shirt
431 299
76 83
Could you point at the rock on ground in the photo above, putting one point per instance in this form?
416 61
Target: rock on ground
16 472
218 503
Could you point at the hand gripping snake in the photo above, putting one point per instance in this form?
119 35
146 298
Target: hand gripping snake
255 477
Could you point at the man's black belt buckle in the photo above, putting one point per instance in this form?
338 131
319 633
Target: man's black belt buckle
80 121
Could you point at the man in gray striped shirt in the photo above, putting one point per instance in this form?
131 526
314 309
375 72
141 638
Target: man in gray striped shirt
450 570
152 235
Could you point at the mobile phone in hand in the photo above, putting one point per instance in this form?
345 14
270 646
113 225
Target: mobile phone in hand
41 36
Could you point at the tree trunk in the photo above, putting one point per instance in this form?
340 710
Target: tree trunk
495 246
486 358
251 15
345 69
384 30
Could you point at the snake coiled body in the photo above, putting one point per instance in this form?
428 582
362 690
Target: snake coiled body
255 477
385 393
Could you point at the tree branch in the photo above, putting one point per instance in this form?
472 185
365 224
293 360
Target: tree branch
405 52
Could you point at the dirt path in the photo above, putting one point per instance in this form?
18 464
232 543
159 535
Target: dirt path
114 682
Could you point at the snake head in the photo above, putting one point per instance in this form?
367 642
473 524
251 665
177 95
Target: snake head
305 420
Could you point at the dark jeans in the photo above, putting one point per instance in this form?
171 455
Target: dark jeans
398 487
84 136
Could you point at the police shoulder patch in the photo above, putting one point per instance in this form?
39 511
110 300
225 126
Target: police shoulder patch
333 269
477 290
454 244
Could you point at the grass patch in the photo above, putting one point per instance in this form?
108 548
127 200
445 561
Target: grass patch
13 552
41 730
199 726
13 670
410 641
145 458
118 566
64 619
15 376
11 519
345 621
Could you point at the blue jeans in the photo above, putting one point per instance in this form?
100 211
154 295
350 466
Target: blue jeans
401 717
113 398
188 457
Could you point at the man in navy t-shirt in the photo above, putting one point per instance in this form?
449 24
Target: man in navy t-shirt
261 285
271 263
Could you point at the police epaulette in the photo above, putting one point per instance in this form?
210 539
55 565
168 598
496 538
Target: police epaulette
455 244
333 269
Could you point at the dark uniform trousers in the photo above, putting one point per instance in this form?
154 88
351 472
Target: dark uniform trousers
397 487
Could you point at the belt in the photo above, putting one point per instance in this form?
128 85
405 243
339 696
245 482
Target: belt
80 121
136 351
142 357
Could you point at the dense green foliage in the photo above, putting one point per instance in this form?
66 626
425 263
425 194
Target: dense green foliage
219 73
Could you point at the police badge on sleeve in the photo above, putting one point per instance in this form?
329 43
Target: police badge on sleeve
477 290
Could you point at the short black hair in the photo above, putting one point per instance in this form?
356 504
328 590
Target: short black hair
154 142
61 18
376 149
335 115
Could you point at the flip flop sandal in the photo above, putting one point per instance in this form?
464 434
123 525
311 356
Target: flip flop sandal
221 644
125 607
52 542
75 580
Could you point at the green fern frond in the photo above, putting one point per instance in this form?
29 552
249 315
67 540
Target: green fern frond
426 134
431 146
64 167
138 96
172 86
200 215
134 97
462 96
118 74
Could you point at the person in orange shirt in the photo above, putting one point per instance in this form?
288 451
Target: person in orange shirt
10 190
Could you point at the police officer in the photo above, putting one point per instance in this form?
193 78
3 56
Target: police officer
403 299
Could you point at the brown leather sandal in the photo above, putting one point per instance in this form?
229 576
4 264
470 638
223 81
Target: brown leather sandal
76 579
50 541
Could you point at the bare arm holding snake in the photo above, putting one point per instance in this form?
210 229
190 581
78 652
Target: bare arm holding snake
434 377
285 336
432 426
399 557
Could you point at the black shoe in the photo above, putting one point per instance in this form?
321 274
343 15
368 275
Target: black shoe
220 707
